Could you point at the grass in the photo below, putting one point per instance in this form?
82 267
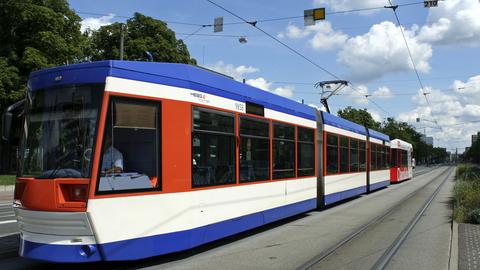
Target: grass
7 179
467 194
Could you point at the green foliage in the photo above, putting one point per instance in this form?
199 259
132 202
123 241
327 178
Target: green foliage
361 117
35 34
467 194
473 154
142 34
397 130
7 179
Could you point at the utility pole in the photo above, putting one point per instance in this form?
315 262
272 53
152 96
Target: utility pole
122 38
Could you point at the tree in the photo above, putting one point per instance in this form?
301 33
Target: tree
473 154
361 117
35 34
142 34
423 152
396 130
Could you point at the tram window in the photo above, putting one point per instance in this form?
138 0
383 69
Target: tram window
404 158
131 150
363 156
379 157
373 156
254 150
213 147
306 152
393 158
344 161
387 157
283 151
354 161
332 154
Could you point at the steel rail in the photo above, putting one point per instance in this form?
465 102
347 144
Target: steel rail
386 257
326 253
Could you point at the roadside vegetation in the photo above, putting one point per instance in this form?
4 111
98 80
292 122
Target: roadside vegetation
7 180
467 194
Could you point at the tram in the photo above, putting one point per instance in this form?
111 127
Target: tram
126 160
401 161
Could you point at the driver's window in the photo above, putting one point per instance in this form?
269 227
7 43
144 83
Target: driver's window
130 148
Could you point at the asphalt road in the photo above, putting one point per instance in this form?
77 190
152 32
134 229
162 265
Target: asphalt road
7 218
287 244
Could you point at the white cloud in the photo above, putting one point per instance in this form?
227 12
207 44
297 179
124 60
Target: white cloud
375 115
342 5
468 89
323 37
454 112
453 22
294 32
382 92
237 72
382 50
356 96
321 107
240 72
93 23
260 82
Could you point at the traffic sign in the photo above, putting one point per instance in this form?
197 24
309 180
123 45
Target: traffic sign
310 16
430 3
218 24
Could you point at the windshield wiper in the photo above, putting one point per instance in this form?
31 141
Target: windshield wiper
55 170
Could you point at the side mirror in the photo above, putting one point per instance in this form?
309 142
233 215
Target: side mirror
7 126
11 121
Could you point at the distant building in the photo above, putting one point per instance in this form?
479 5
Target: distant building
475 137
428 140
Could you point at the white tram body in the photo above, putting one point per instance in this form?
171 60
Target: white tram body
401 165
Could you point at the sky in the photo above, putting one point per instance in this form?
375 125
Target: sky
364 47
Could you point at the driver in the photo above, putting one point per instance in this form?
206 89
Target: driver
112 161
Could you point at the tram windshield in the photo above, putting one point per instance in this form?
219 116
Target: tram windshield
59 132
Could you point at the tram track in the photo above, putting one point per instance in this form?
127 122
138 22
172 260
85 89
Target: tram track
386 257
382 262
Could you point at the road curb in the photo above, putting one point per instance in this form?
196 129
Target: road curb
454 247
7 187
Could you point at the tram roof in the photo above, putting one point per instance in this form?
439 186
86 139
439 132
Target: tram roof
397 143
332 120
173 74
378 135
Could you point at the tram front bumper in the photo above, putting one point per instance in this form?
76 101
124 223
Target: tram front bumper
56 236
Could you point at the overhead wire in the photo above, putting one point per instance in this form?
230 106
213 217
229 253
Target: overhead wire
194 32
254 24
394 9
390 81
257 21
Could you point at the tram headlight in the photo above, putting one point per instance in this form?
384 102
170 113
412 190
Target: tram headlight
73 192
78 193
